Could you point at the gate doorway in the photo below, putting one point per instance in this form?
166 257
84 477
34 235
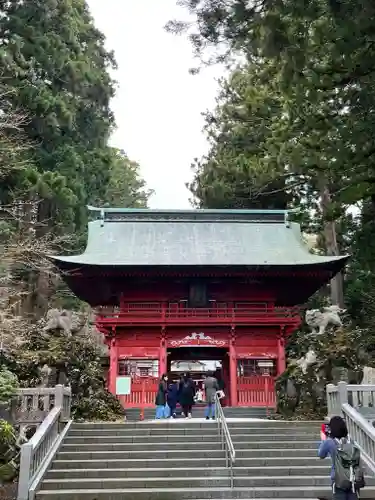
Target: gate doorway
198 361
252 383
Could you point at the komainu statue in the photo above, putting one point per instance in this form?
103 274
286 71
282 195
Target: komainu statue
319 320
309 359
45 373
64 320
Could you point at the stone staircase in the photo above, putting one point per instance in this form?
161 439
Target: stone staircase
183 460
133 414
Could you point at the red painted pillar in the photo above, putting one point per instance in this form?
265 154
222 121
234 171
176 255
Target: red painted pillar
281 363
233 374
113 366
162 357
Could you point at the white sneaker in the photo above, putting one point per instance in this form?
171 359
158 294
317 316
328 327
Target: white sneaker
189 415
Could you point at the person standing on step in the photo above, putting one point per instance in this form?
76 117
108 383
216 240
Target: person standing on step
211 387
161 397
346 473
186 395
172 398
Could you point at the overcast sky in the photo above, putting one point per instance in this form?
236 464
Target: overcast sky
158 104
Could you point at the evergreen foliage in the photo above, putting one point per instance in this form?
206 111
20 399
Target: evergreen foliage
294 127
54 61
55 123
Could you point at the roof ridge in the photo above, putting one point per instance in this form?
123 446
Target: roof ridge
91 208
107 214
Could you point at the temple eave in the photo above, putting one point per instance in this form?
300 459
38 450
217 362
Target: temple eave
307 279
83 263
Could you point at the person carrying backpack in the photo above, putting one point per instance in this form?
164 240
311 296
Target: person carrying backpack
186 394
346 473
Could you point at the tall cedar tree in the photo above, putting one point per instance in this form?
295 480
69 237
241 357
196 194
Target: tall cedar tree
54 58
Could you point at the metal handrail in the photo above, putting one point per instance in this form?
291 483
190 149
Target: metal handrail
225 437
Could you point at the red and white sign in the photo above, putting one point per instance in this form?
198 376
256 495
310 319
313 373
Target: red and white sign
197 339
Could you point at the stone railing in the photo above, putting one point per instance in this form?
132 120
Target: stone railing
31 406
355 403
50 408
361 397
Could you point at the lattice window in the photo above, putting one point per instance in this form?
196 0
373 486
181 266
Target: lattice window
251 368
138 367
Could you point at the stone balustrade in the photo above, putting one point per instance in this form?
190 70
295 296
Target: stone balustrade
32 405
355 403
49 409
360 396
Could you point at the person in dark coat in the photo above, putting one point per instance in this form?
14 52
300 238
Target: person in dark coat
172 398
161 398
186 395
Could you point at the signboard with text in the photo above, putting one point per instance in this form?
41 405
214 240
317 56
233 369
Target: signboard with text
123 386
198 339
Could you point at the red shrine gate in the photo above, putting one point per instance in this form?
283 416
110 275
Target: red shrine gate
198 285
251 357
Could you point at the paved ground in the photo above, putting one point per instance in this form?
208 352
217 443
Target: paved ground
8 492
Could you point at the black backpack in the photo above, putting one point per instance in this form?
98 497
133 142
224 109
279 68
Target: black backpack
348 471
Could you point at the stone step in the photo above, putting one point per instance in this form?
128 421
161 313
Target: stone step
144 454
153 440
170 438
140 446
149 472
228 410
134 414
177 430
191 424
277 452
144 473
293 426
136 463
181 454
189 462
187 482
279 430
184 445
286 445
261 493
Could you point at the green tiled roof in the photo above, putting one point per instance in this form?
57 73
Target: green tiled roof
195 238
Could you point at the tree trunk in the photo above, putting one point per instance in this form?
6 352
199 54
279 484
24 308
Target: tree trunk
43 282
337 283
26 214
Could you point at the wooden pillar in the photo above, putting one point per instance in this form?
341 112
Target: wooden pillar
162 354
113 366
233 373
281 363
